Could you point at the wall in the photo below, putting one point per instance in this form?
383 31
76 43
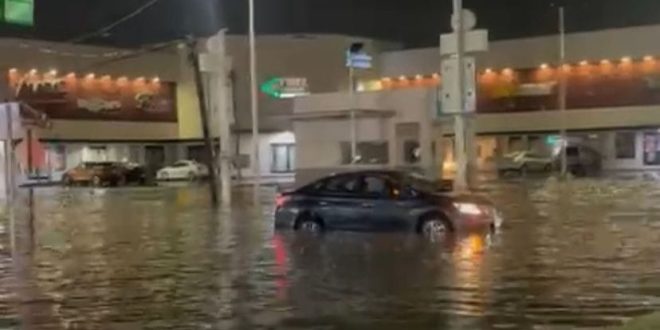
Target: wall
265 154
635 42
543 121
168 65
319 58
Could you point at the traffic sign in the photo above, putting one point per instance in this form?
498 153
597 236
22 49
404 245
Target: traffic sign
450 94
282 88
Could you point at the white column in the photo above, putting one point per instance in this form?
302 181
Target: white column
256 164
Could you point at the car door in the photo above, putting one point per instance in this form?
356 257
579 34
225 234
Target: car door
336 200
381 205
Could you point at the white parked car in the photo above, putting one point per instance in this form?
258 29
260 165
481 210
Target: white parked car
183 170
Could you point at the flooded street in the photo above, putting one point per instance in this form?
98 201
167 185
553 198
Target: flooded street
581 255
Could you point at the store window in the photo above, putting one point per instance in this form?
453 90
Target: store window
95 154
651 149
625 145
284 157
411 152
367 153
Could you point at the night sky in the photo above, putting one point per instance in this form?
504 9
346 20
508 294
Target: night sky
413 22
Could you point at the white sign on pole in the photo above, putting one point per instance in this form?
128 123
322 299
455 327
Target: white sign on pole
450 93
475 41
358 60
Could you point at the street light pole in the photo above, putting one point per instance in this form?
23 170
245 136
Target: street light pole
254 106
562 92
460 150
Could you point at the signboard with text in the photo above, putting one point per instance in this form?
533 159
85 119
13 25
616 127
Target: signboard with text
90 98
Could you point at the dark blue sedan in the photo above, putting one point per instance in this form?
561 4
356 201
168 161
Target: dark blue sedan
381 200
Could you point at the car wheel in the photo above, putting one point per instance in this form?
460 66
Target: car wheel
67 181
96 181
307 224
435 228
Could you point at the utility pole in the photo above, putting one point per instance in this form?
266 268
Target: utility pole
256 170
193 57
460 130
353 119
562 92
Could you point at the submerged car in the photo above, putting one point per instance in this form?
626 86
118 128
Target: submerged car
93 173
381 200
183 170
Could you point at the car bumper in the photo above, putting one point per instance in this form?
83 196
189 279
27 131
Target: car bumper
492 219
285 218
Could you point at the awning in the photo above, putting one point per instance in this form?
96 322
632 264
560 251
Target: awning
339 114
33 117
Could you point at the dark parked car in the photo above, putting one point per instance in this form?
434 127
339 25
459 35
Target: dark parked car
381 200
132 173
93 173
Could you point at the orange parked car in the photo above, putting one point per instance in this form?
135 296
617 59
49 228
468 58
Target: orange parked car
94 173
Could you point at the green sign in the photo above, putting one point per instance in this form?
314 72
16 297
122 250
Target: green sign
271 87
20 12
284 88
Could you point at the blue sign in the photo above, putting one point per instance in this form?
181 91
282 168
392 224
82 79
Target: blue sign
358 60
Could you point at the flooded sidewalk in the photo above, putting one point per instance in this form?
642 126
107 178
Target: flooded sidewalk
582 255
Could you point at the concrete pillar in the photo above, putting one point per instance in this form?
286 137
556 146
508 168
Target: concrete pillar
392 142
426 145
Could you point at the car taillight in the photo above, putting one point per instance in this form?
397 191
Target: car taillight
280 200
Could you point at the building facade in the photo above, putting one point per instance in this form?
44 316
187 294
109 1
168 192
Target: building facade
109 104
613 104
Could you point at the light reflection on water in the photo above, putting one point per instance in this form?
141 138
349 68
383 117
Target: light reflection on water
160 258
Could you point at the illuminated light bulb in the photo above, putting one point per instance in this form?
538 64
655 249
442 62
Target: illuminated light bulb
544 66
90 76
52 72
605 62
584 63
649 58
402 78
33 71
155 80
507 71
626 59
419 77
12 70
488 71
71 75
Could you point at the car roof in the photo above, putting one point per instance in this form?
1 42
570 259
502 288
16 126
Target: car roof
366 172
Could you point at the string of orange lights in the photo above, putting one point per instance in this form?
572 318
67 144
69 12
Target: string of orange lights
543 66
53 73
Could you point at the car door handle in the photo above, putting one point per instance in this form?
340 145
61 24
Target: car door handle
368 205
323 203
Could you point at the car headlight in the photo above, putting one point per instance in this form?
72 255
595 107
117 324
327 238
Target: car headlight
468 208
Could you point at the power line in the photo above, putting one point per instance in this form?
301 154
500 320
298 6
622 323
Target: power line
111 26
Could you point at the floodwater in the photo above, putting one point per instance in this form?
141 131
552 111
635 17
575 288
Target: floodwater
578 255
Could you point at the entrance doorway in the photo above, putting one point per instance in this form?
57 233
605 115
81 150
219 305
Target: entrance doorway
154 157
